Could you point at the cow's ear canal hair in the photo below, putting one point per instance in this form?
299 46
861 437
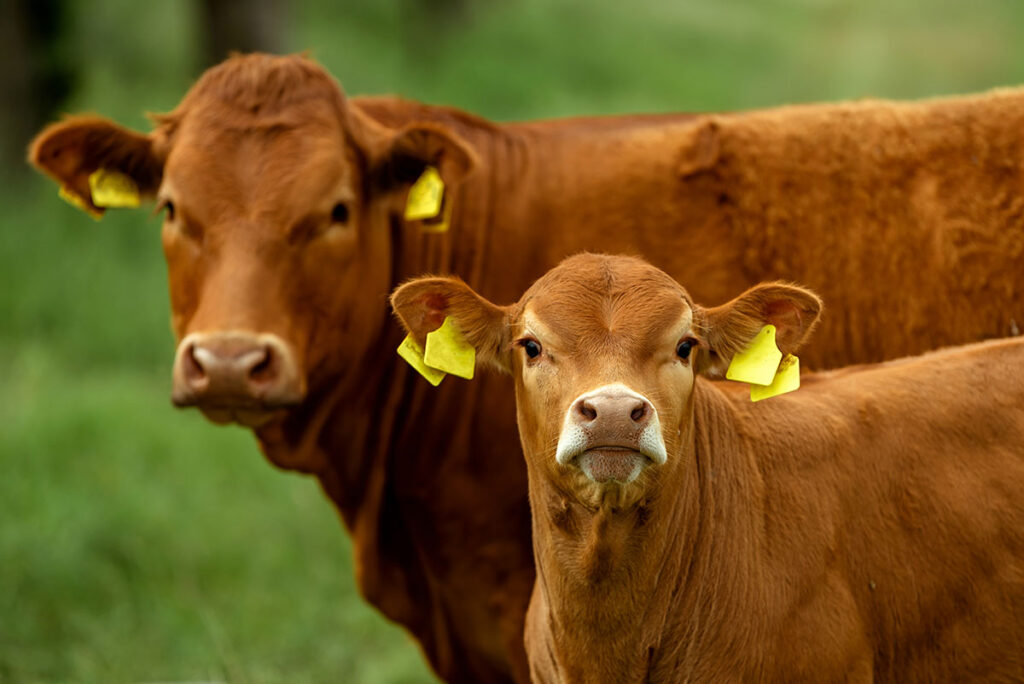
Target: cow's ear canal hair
406 169
396 172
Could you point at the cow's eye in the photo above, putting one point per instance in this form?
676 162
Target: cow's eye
168 206
531 347
340 213
684 348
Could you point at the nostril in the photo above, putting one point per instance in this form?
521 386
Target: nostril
192 366
586 410
639 412
262 366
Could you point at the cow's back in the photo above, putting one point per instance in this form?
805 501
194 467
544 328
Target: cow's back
905 217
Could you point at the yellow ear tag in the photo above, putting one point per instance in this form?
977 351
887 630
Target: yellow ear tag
72 198
424 200
113 189
448 350
758 362
412 352
441 226
786 379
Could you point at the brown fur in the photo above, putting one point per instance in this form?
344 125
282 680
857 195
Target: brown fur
843 198
868 527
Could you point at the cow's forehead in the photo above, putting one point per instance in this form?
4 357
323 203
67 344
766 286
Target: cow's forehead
215 123
258 111
592 300
278 159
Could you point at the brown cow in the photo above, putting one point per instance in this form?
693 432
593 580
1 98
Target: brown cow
870 526
284 234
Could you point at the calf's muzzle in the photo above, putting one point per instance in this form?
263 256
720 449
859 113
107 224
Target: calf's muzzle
611 433
235 371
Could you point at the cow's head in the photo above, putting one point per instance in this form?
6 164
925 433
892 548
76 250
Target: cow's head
279 200
604 352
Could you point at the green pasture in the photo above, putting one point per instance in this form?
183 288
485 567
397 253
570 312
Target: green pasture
141 544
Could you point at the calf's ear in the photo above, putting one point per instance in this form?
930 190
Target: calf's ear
422 305
729 328
69 151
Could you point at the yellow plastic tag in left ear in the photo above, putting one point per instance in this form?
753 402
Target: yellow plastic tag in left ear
72 198
412 352
786 379
447 350
440 226
425 195
113 189
758 362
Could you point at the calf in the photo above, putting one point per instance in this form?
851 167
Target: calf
869 526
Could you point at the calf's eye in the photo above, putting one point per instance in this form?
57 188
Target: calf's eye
531 347
684 348
340 213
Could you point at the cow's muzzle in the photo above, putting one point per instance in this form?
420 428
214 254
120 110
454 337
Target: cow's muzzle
236 376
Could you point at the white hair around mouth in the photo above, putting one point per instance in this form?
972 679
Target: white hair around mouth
575 439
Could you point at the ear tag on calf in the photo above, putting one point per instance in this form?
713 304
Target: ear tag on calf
72 198
412 352
447 350
113 189
786 379
758 362
425 195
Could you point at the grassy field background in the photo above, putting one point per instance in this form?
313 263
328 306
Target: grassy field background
141 544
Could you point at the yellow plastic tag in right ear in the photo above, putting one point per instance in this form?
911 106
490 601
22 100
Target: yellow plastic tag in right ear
758 362
111 188
412 352
424 200
786 379
72 198
447 350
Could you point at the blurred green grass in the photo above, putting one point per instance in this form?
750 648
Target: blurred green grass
138 543
143 545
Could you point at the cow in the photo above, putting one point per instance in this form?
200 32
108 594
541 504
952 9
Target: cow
285 230
868 527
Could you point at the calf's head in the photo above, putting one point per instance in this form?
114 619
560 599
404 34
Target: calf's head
280 198
604 352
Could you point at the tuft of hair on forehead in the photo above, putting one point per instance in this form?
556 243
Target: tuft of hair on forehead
258 84
593 298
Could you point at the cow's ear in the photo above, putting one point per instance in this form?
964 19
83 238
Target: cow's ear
730 328
701 148
398 156
69 151
419 145
422 305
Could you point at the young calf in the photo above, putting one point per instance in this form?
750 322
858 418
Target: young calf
869 526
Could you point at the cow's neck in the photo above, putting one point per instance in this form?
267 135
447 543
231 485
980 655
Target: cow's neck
369 432
344 434
612 583
341 425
